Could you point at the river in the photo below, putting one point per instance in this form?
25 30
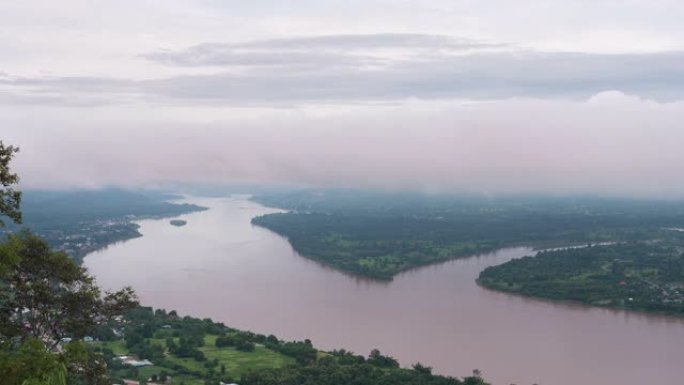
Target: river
222 267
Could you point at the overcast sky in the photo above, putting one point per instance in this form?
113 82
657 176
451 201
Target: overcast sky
563 97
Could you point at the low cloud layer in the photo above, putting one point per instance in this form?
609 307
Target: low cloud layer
612 144
363 68
328 50
553 96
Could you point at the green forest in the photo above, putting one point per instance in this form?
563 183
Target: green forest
381 234
644 276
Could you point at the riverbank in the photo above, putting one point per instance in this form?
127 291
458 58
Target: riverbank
185 350
634 276
251 278
379 235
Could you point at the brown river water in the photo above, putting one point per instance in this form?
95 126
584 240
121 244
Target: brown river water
222 267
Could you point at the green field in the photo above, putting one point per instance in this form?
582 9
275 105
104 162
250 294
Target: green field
235 362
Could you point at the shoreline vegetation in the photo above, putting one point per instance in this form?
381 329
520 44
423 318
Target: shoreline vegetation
378 235
85 336
165 347
626 255
646 276
338 251
178 222
384 237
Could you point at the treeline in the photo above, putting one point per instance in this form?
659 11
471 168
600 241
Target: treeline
380 235
330 371
156 334
646 276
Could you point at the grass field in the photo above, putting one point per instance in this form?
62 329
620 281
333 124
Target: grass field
236 362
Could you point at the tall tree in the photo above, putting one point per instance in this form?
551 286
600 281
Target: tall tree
47 296
44 296
9 197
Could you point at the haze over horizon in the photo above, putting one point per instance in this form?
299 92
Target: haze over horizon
559 97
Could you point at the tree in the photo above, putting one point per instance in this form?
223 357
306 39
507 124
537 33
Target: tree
47 296
31 364
420 368
377 359
84 366
9 198
44 296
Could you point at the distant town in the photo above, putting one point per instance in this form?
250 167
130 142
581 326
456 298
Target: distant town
92 236
81 222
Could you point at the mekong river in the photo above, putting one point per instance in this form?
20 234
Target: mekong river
222 267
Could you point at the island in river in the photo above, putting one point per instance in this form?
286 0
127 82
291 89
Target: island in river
178 222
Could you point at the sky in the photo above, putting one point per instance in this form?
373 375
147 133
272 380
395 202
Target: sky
552 96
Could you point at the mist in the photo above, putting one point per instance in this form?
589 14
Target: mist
612 144
438 96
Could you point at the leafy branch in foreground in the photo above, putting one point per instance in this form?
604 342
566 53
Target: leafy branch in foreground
45 297
9 198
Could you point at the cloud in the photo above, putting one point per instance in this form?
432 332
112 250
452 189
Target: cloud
329 69
613 144
418 94
329 50
442 94
213 55
371 41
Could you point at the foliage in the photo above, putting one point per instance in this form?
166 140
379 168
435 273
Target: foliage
271 361
45 295
191 348
30 364
647 276
379 235
79 221
330 371
84 366
240 342
377 359
9 197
